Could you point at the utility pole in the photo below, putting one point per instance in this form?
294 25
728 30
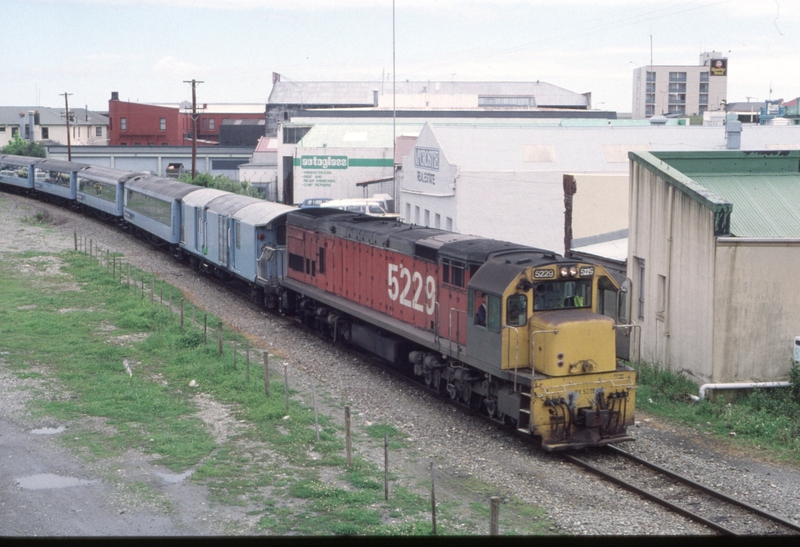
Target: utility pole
194 124
67 116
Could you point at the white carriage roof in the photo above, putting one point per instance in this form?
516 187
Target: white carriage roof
202 197
264 212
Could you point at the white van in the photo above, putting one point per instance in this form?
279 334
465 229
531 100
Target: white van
369 207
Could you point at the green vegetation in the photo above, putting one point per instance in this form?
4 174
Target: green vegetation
18 146
766 419
221 182
70 322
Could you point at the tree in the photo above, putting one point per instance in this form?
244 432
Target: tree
20 147
221 182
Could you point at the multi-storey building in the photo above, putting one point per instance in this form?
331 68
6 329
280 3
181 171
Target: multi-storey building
679 89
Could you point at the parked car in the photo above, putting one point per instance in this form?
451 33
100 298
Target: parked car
313 202
369 207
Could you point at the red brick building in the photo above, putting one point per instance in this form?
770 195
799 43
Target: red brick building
141 124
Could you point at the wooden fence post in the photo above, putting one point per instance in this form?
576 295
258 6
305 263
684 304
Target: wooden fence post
348 441
494 520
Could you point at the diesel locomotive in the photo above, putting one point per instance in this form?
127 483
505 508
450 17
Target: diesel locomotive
521 334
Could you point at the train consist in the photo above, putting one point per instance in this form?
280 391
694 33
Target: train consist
520 334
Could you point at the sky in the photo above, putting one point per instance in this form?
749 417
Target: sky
146 49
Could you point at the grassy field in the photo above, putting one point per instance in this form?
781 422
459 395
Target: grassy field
76 320
766 420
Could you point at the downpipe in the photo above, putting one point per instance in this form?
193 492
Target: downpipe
740 385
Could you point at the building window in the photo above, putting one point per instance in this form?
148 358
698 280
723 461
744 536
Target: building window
704 88
211 124
702 108
677 88
676 109
703 98
677 76
14 131
416 215
45 132
2 128
651 88
98 131
437 221
677 98
649 110
205 124
162 124
449 224
651 76
292 135
506 102
650 98
704 76
123 124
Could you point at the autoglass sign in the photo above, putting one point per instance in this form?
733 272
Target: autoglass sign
323 162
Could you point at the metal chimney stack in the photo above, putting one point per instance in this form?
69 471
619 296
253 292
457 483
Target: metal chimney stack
733 135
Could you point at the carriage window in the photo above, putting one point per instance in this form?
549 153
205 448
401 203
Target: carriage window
516 310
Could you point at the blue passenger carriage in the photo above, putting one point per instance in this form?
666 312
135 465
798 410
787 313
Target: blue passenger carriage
100 191
259 239
194 213
152 207
17 171
57 180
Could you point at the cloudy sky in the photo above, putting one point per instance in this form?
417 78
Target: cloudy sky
145 49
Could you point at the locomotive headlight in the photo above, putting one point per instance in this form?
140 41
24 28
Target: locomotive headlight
563 271
573 271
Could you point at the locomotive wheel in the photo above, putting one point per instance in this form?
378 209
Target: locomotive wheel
492 409
452 391
428 377
436 380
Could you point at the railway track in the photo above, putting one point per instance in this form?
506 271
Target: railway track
716 510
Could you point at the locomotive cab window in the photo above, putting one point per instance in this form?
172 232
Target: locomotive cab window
517 310
553 295
606 298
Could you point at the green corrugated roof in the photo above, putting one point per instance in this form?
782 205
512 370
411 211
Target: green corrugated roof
765 205
756 193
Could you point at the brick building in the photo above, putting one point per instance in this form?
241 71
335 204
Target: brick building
142 124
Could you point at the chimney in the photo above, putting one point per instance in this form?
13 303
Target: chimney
115 95
31 125
733 135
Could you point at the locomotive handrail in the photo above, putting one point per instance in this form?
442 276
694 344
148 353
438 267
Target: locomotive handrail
516 354
438 323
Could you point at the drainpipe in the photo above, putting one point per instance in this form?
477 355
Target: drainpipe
741 385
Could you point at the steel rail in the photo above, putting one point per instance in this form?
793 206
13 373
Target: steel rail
650 496
706 489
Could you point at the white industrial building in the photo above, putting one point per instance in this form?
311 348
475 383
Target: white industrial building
713 250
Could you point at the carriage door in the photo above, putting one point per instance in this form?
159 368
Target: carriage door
236 243
199 230
223 240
